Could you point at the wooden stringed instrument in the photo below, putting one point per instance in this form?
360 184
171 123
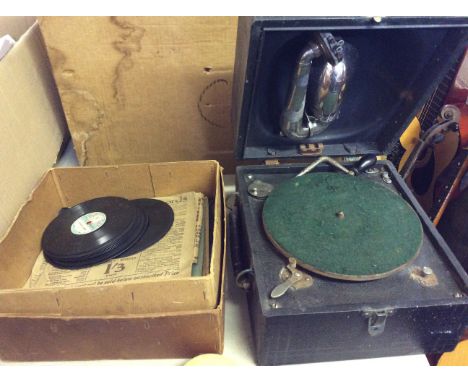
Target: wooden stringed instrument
436 157
437 175
447 185
448 189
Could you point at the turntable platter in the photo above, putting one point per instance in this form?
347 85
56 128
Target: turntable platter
342 226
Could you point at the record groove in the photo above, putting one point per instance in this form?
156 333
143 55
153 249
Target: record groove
160 217
68 247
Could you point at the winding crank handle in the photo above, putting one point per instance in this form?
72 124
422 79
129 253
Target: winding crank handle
366 162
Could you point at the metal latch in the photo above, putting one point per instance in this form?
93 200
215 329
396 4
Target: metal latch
376 320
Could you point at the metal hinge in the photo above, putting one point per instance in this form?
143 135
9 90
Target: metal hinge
376 319
272 162
311 149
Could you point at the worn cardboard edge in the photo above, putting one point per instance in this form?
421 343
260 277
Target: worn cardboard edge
115 316
57 186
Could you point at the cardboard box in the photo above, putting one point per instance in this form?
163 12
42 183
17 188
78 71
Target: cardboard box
32 124
167 318
145 89
164 319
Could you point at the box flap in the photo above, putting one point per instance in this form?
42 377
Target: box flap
393 64
31 119
145 89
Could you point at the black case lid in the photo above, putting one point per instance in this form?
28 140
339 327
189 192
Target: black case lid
398 65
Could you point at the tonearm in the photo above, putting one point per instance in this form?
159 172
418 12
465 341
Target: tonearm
300 121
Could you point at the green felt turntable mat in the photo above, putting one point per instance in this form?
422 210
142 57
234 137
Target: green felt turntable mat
342 226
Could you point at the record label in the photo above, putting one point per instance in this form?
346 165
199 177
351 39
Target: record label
104 228
88 223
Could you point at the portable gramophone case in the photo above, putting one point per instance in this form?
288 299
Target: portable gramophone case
337 258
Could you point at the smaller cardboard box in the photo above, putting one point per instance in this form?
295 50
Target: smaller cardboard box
169 318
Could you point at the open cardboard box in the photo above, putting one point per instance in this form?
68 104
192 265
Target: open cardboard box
167 318
170 318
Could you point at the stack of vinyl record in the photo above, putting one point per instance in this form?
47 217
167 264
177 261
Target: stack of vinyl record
104 228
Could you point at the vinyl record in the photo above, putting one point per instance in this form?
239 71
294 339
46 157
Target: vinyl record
93 232
160 217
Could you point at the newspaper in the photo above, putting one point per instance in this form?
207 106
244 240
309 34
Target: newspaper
201 263
172 256
198 229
